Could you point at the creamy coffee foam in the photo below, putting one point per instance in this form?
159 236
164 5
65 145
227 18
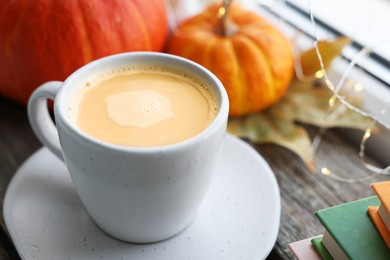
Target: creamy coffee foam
138 108
147 106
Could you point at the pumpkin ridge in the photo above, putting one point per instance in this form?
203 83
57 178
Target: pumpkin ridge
205 60
264 70
16 91
193 43
140 21
11 38
278 81
240 81
265 53
87 42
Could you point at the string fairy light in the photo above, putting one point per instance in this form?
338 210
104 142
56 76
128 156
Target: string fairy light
335 110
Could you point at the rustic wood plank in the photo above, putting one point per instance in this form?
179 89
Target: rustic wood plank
17 142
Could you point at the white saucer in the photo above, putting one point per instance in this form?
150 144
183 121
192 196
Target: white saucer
239 219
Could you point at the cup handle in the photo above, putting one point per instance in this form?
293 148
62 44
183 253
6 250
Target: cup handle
40 120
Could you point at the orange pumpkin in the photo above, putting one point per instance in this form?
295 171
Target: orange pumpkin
254 63
44 40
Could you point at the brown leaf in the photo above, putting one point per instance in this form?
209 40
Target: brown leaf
305 102
267 128
328 49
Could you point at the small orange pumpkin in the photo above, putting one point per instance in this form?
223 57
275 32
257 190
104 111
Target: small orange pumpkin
254 62
42 40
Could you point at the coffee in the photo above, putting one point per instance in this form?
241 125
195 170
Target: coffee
145 106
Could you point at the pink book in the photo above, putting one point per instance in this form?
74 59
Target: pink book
303 250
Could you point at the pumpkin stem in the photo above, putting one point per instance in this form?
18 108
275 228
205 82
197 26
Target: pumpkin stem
227 26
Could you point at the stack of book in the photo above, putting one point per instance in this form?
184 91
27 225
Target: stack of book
355 230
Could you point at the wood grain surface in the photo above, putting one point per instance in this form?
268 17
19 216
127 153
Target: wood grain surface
17 143
302 192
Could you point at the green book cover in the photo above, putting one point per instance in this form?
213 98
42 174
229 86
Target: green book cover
321 250
351 228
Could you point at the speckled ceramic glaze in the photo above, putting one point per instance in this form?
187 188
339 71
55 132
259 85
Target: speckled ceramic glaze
134 194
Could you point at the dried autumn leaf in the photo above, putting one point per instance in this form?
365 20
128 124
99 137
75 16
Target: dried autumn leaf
265 127
328 49
305 102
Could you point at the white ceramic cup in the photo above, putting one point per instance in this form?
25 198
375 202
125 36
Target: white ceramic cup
134 194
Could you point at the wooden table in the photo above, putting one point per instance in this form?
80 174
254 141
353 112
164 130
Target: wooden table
302 192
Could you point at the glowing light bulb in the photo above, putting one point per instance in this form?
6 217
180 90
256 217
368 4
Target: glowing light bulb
358 87
325 171
319 74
